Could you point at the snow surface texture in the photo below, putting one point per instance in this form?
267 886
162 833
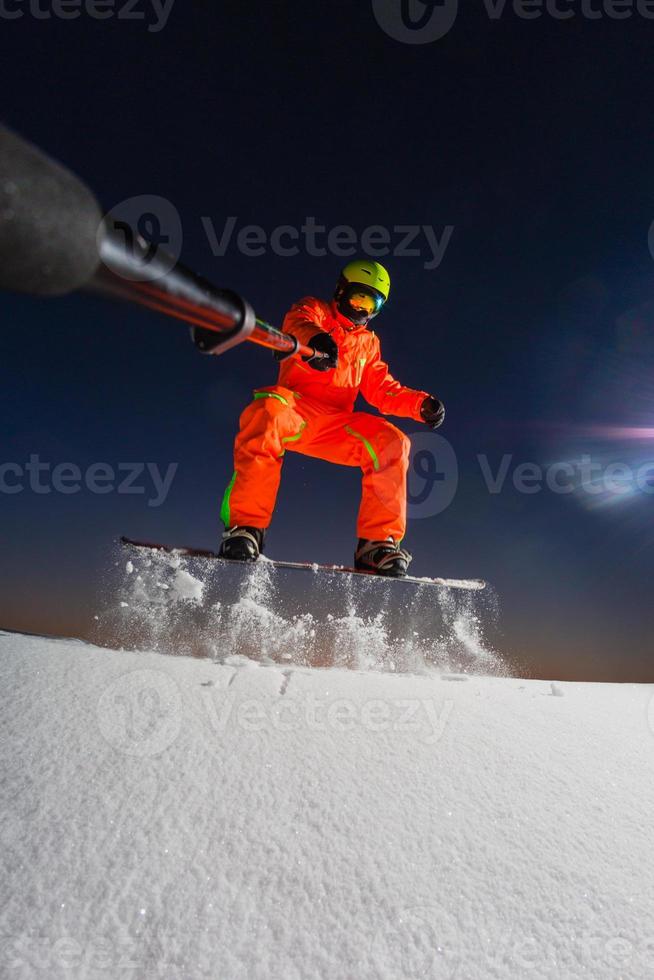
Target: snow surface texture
173 817
194 606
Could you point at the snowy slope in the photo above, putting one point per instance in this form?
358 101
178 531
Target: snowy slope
171 817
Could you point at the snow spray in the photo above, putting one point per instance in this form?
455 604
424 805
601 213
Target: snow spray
192 606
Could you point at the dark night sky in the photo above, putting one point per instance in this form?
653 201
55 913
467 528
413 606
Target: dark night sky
533 138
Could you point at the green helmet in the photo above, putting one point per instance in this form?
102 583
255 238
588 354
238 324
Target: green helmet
362 290
369 273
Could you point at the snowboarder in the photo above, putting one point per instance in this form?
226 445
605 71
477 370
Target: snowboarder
311 411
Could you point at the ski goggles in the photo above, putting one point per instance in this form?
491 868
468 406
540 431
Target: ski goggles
366 302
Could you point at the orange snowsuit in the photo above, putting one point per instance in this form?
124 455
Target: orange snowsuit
311 412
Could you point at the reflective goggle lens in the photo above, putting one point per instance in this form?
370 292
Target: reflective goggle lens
365 302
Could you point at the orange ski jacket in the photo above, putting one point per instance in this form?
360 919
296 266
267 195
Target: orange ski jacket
360 366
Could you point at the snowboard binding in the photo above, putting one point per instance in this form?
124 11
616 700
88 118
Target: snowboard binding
382 558
242 543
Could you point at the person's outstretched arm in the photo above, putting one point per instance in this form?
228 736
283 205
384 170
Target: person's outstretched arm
304 319
379 388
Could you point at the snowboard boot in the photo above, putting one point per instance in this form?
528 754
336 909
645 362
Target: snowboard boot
382 558
242 543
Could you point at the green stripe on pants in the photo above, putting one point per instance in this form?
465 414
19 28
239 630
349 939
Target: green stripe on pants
373 454
225 515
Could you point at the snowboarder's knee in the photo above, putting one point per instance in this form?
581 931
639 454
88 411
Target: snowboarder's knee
274 400
393 446
396 439
267 407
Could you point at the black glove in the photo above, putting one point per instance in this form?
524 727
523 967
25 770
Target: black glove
432 411
322 343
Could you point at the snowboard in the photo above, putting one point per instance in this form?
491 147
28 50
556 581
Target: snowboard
474 585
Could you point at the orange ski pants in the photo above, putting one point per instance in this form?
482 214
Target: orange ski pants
279 420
